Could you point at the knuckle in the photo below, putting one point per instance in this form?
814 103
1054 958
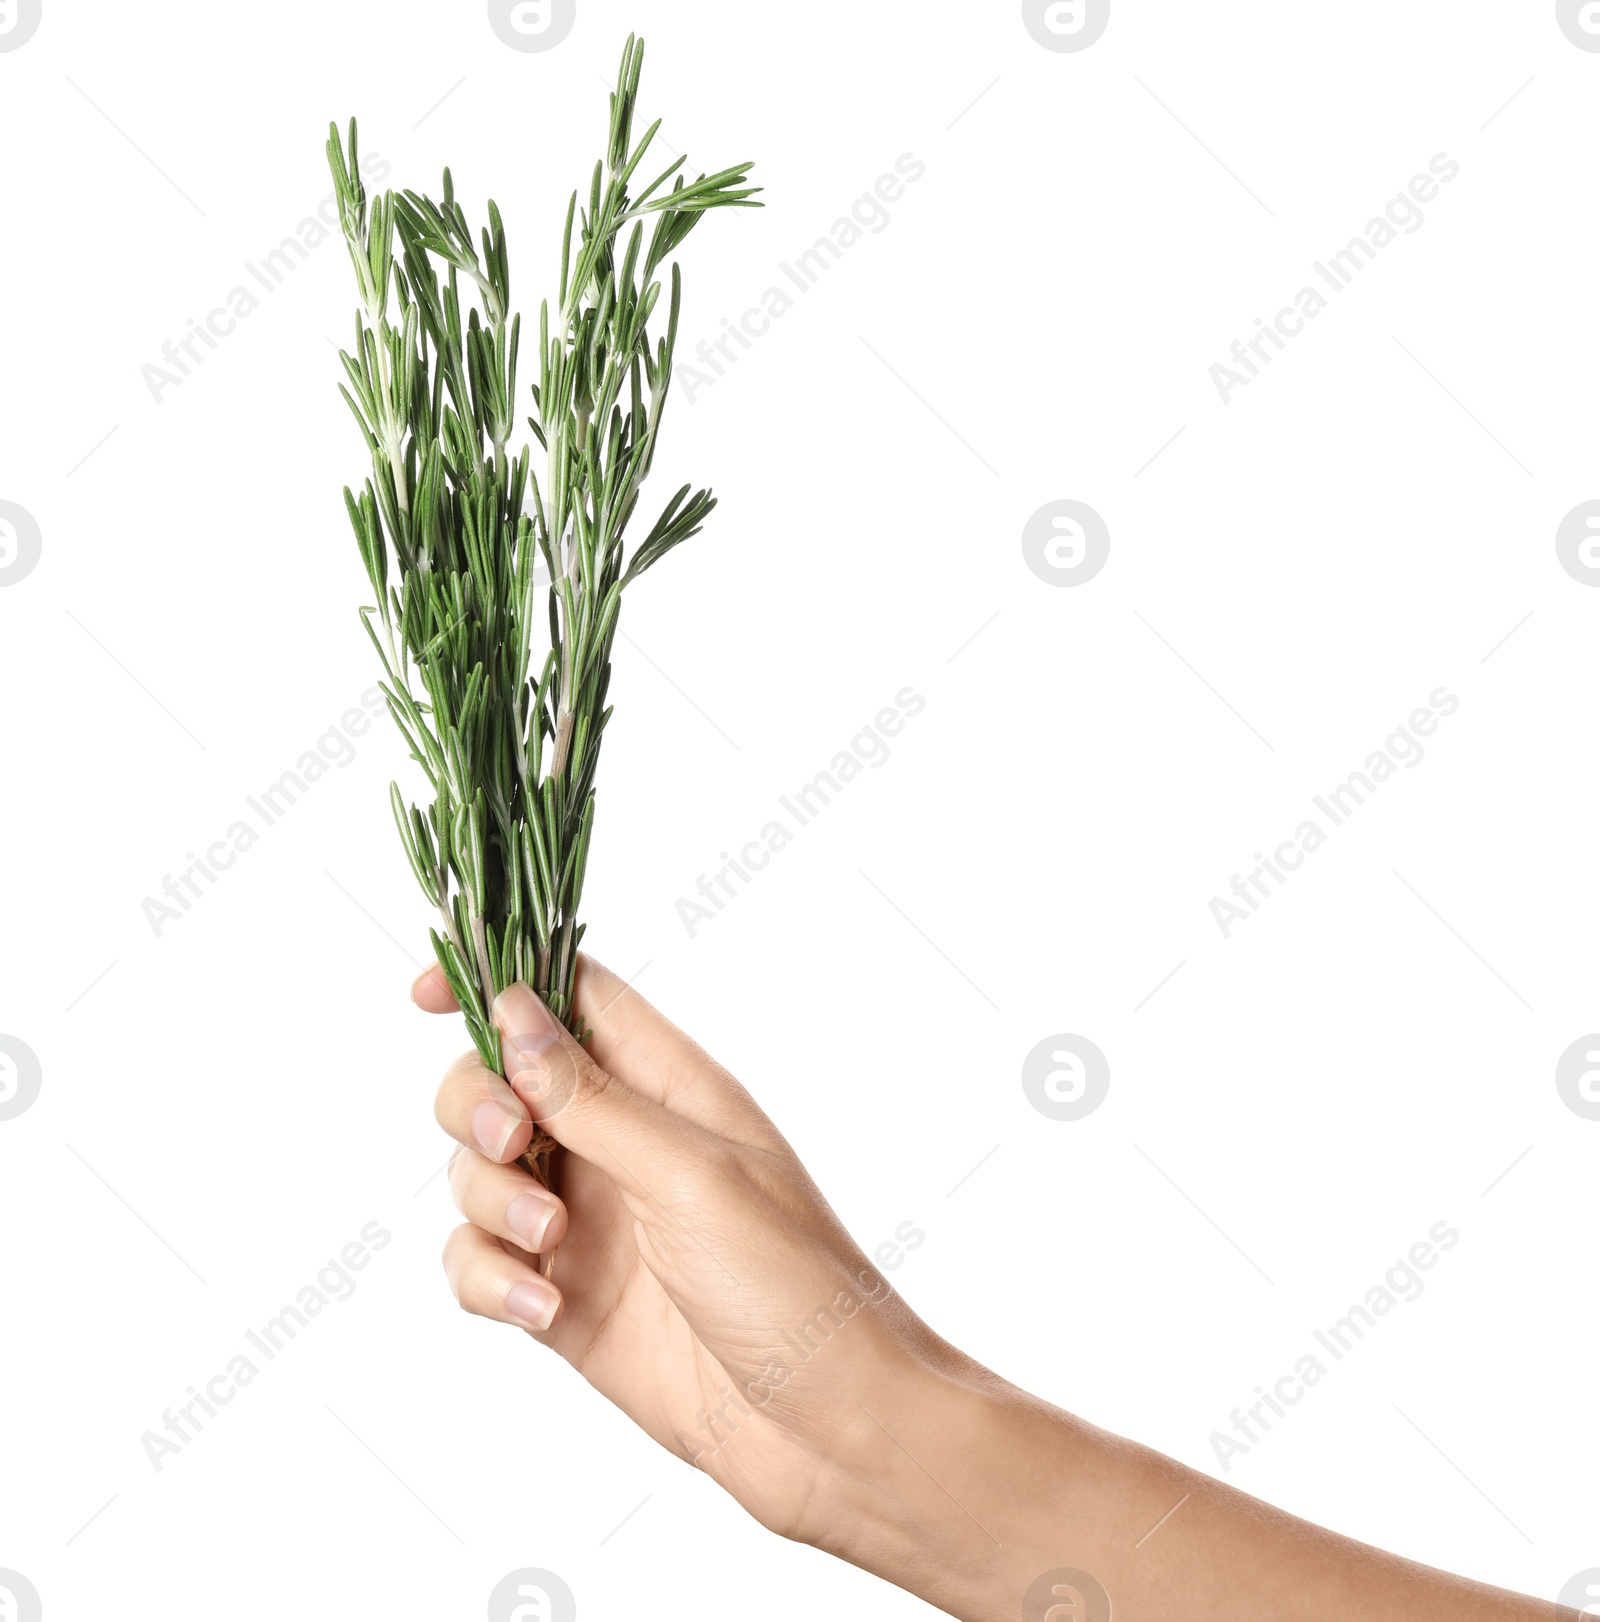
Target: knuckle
461 1263
715 1172
767 1180
593 1082
463 1067
458 1174
719 1075
460 1081
728 1165
565 1079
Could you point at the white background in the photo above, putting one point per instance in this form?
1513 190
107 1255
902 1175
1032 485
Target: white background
1289 578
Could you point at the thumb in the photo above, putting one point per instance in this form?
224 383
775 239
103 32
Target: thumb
584 1108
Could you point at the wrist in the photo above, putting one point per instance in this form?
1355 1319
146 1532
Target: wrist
948 1482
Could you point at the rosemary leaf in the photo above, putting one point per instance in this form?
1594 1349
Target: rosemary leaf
456 526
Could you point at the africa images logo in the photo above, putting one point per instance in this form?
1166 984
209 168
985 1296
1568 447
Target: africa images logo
1578 1077
19 1599
1066 25
1066 1077
20 1080
1066 543
1578 543
19 22
1066 1595
20 540
532 1595
1580 22
532 25
1583 1592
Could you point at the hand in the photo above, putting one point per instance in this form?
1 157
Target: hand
700 1280
702 1283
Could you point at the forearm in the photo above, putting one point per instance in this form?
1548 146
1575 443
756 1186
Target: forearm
967 1492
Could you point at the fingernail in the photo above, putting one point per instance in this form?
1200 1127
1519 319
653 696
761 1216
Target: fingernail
492 1127
528 1217
533 1305
528 1030
517 1010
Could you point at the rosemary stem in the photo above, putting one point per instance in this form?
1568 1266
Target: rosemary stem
440 522
480 941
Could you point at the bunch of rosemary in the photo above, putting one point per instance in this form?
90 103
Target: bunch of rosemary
453 526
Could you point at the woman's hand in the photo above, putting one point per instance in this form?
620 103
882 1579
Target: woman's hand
700 1280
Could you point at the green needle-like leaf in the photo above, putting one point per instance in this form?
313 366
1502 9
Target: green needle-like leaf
461 533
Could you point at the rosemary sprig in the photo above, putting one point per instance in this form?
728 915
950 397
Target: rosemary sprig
453 521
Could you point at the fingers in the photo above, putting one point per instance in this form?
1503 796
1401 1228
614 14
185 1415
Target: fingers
491 1282
583 1106
507 1202
481 1112
431 992
634 1042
